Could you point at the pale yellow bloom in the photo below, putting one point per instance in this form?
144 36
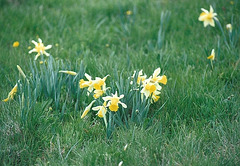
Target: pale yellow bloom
113 102
101 110
231 2
120 164
229 27
157 78
87 109
40 48
208 17
149 88
125 147
107 45
129 12
29 47
16 44
11 93
68 72
89 83
212 56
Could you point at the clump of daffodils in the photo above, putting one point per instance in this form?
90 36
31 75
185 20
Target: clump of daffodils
40 48
208 17
151 86
98 86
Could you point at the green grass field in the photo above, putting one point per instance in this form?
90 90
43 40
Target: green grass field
196 120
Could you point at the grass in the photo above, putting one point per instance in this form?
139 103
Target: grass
198 125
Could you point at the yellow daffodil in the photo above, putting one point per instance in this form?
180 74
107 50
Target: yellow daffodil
113 102
208 17
212 56
16 44
157 78
11 93
101 110
150 88
29 47
229 27
40 48
129 12
68 72
155 96
231 2
87 109
89 83
99 82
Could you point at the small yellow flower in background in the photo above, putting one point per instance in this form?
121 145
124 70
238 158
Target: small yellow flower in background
231 2
11 93
212 56
229 27
56 44
29 47
68 72
16 44
107 45
87 109
21 71
113 102
208 17
41 62
129 12
101 110
40 48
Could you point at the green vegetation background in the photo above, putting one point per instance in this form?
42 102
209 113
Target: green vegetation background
200 123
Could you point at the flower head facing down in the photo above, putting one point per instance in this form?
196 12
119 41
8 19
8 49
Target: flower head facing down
11 93
87 109
101 110
212 56
208 17
140 78
89 83
229 27
16 44
68 72
40 48
113 102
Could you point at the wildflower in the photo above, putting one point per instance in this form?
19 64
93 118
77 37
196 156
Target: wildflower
29 47
129 12
155 96
101 110
113 101
11 93
16 44
150 88
40 48
99 82
229 27
208 17
159 79
231 2
21 72
56 44
87 109
212 56
68 72
89 83
107 45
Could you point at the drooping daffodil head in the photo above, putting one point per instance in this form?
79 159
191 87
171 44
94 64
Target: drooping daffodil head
158 79
11 93
87 109
208 17
102 110
40 48
149 87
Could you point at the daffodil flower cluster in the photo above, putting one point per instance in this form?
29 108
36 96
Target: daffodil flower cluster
40 48
98 86
150 87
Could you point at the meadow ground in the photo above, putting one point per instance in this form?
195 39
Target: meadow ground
199 123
